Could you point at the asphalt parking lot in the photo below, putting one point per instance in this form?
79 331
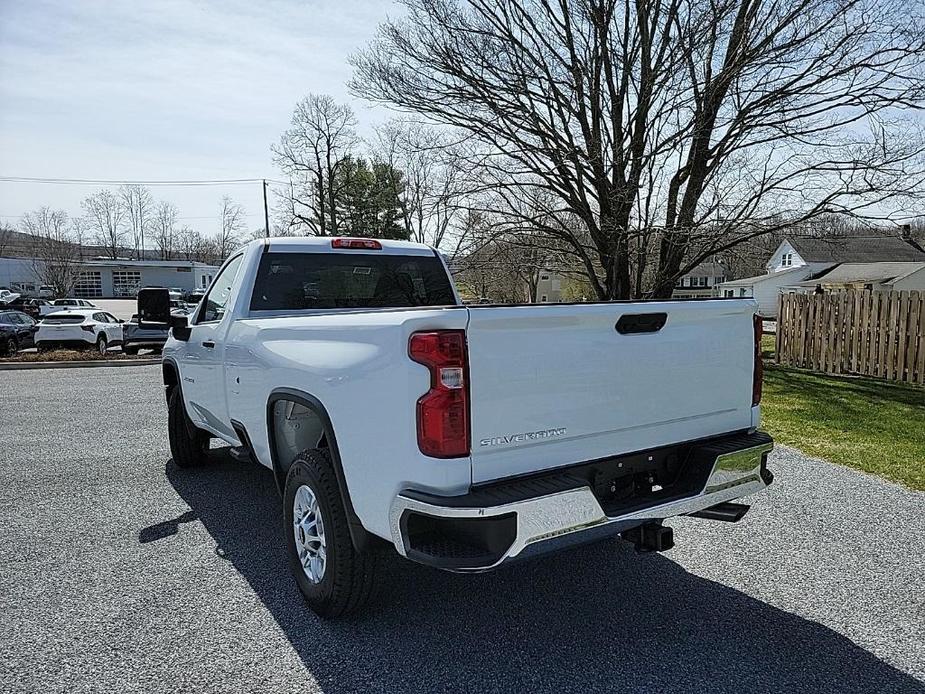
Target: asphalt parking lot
122 573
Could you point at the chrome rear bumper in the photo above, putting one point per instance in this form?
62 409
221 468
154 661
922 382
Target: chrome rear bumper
576 512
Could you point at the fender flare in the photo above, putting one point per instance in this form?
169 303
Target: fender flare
358 534
169 364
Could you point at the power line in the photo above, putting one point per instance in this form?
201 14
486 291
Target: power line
111 182
180 219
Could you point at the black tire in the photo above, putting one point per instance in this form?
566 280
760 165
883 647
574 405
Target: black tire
10 346
129 349
188 444
102 345
40 348
347 581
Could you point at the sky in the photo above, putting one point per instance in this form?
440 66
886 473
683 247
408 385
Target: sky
166 90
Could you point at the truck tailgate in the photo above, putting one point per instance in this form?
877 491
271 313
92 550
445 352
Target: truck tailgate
556 385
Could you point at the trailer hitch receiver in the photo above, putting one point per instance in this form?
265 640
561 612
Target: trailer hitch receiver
650 537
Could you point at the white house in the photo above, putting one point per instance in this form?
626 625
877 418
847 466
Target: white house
700 281
877 277
800 262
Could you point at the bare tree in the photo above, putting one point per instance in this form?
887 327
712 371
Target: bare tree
6 238
233 224
105 214
80 229
56 258
321 137
138 205
432 189
670 129
190 244
165 222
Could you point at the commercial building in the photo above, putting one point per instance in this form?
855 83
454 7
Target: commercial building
102 278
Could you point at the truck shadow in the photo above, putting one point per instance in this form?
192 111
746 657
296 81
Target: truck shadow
595 618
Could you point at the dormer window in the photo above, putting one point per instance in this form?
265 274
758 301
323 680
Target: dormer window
786 260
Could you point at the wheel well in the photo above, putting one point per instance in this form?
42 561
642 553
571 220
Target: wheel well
293 428
170 376
297 421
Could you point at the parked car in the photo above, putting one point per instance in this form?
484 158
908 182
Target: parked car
147 335
72 303
79 328
34 307
17 331
8 297
193 297
464 437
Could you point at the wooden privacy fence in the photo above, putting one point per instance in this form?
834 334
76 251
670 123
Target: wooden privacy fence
879 334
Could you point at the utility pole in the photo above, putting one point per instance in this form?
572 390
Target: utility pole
266 211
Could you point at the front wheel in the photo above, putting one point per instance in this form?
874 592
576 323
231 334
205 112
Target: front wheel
334 577
188 443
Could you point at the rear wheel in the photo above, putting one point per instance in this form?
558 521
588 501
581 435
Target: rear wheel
334 577
102 345
10 346
188 443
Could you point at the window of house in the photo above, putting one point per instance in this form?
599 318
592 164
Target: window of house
543 299
544 278
729 293
786 260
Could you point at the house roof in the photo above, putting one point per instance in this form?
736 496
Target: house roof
707 269
849 273
856 249
749 281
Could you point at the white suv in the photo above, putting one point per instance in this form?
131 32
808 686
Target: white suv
79 328
65 304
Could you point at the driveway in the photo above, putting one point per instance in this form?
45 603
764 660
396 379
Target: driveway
122 573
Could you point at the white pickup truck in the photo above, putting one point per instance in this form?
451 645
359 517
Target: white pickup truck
462 436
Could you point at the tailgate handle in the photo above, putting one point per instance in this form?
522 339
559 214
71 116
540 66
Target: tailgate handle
632 323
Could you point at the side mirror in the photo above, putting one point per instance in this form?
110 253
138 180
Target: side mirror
179 326
153 306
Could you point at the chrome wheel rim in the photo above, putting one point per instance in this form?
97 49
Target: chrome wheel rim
308 530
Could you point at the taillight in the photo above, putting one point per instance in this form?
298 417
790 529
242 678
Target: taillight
358 244
443 411
87 328
758 374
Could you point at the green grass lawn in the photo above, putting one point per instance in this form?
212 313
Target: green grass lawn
874 426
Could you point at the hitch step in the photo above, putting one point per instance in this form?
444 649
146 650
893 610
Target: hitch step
651 537
728 511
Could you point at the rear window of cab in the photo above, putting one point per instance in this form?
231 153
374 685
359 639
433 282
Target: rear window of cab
293 281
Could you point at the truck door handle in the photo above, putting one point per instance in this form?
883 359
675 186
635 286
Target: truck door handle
631 323
209 344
